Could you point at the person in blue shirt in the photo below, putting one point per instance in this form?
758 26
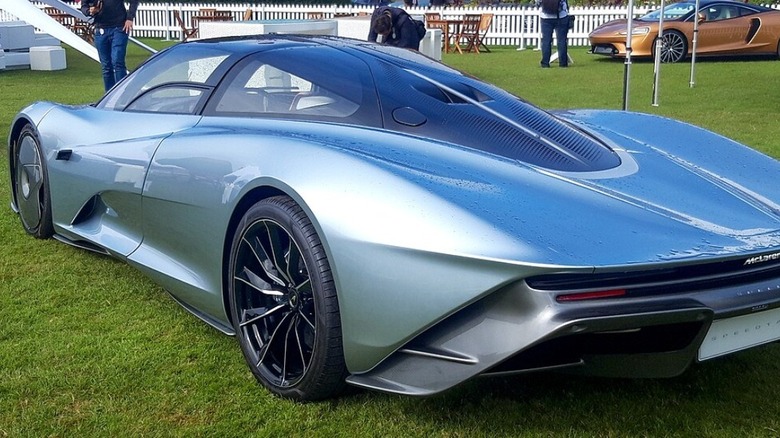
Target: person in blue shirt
113 24
395 26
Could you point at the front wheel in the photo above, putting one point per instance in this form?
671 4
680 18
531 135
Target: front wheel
31 185
283 302
674 47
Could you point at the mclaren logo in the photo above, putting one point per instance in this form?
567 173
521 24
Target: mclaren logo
762 259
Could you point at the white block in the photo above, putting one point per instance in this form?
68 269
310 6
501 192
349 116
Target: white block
16 35
17 60
44 39
431 44
212 29
47 58
354 27
358 27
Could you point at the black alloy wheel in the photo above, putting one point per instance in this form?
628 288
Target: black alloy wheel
283 302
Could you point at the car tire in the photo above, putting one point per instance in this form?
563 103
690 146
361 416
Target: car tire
674 47
283 303
31 185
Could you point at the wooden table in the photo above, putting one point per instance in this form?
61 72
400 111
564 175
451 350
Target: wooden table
203 16
217 16
449 28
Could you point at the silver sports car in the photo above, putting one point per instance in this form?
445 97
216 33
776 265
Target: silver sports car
362 214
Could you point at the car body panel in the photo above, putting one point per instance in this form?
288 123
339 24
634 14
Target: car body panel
104 170
726 28
451 212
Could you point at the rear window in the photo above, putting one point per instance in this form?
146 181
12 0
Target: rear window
298 82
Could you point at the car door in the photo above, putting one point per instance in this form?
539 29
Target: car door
196 175
98 174
104 151
724 30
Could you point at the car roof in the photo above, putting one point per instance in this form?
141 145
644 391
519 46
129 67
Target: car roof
707 3
363 49
512 128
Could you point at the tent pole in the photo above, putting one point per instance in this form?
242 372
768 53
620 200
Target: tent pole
659 42
695 40
627 69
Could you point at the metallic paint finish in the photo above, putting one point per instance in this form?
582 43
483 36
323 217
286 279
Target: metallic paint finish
429 241
732 36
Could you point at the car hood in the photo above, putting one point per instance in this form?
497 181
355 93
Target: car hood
616 27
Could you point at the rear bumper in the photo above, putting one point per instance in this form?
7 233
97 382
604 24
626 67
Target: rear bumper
519 329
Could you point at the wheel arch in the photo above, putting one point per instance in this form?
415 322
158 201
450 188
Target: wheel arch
248 200
778 49
685 40
251 197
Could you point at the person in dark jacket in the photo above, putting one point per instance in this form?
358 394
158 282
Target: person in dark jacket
113 24
395 26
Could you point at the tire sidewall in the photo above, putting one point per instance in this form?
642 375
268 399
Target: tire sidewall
685 45
45 228
279 210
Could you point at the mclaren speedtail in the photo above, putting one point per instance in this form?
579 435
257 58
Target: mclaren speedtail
361 214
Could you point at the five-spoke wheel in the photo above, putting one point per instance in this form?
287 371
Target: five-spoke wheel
283 302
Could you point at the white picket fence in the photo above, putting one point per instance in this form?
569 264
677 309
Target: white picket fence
511 26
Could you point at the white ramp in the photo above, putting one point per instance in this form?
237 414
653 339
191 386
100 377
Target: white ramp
29 13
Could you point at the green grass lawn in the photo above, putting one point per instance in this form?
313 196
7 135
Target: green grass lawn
89 347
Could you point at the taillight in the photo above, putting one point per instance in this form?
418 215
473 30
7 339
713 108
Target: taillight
591 295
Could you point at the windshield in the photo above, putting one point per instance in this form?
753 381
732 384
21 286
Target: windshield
675 11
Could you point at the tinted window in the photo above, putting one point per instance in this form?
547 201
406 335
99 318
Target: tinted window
675 11
179 65
169 99
314 82
720 12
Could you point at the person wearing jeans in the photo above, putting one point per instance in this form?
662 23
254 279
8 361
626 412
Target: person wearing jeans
558 22
113 24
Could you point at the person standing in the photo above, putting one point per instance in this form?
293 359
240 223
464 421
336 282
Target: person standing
113 24
555 17
395 26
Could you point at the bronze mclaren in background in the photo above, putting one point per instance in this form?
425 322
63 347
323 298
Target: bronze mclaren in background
725 28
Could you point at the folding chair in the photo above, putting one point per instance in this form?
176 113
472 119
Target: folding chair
432 16
81 28
467 35
85 30
431 23
248 14
484 25
317 15
186 32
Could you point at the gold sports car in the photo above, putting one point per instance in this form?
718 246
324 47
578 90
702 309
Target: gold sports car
725 28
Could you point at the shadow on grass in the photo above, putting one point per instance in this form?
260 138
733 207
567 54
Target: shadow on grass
699 58
737 390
